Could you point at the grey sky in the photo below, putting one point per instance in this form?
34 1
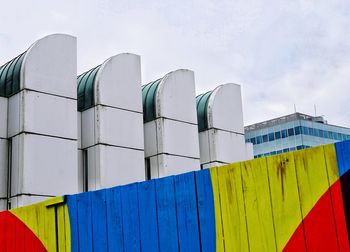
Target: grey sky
281 52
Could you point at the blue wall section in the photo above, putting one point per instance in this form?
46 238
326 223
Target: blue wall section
169 214
343 157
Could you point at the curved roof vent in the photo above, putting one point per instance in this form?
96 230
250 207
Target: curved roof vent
149 92
10 76
86 82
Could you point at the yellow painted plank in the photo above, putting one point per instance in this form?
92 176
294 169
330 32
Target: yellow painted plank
217 206
232 208
312 176
41 219
331 163
284 196
256 191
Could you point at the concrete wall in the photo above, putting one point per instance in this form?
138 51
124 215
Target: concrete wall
42 123
223 141
111 131
171 140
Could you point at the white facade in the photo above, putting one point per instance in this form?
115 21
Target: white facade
41 124
111 145
171 138
56 140
222 140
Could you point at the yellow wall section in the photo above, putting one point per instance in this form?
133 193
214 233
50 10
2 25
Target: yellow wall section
41 219
312 176
331 163
230 194
218 220
257 200
284 195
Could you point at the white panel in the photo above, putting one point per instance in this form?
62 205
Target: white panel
88 128
178 138
80 171
119 127
227 147
204 147
50 65
79 129
173 165
176 97
225 108
44 165
110 166
119 82
14 116
150 136
25 200
212 164
3 117
42 114
3 204
3 168
249 151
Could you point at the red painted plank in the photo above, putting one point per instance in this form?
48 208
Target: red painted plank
17 235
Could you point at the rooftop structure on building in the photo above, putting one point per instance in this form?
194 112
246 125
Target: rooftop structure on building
292 132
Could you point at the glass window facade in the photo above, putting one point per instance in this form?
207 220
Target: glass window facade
294 135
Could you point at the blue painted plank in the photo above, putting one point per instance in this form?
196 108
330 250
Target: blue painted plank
99 218
73 219
131 225
186 206
148 216
206 210
84 222
166 211
343 156
114 220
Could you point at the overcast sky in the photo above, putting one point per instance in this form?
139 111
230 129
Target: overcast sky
281 52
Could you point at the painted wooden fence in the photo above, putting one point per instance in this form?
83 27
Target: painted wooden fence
297 201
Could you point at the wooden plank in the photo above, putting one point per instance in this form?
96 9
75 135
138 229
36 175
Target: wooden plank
99 218
166 214
84 222
315 201
257 200
73 221
114 220
131 224
232 208
206 211
148 216
336 196
285 200
220 246
187 216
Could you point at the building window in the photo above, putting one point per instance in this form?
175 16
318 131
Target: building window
291 132
265 138
305 131
277 135
258 139
297 130
252 140
321 133
284 133
271 137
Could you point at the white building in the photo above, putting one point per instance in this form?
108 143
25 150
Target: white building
63 134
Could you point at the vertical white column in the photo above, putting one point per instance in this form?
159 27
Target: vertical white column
42 124
112 129
3 153
222 138
170 125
